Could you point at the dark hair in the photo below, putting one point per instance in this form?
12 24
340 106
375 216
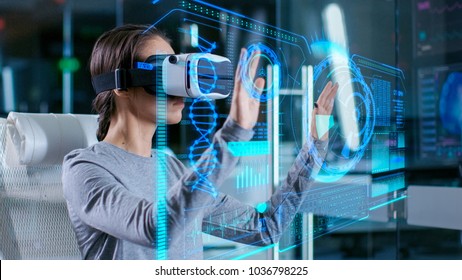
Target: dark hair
117 48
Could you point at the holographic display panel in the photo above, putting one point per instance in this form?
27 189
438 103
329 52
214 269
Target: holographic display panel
440 123
437 27
387 140
366 131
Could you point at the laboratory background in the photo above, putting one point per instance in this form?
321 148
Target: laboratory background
390 184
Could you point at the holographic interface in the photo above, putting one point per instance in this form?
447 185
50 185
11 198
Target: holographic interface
361 172
440 123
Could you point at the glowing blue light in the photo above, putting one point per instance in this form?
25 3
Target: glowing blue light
266 55
388 184
336 67
388 202
143 65
161 176
252 148
261 207
325 48
201 112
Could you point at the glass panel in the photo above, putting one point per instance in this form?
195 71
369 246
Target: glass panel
357 201
389 184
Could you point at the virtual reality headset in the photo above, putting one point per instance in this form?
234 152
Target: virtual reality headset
194 75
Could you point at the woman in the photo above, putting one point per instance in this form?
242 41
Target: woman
110 186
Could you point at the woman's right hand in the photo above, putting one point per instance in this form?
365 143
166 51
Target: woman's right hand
244 107
323 106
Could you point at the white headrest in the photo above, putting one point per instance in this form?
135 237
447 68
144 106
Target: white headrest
47 138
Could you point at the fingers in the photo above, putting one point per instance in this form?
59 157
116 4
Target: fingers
252 60
255 60
314 132
237 74
332 92
245 107
325 91
331 98
326 98
237 87
259 86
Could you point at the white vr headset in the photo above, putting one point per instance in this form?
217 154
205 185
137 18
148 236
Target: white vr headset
195 75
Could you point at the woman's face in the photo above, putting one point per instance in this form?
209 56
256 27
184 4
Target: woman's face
145 102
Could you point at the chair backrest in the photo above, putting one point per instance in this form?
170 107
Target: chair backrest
34 223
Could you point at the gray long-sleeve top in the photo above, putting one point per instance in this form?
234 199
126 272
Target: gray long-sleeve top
111 198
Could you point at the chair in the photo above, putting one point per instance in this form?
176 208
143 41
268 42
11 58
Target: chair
34 222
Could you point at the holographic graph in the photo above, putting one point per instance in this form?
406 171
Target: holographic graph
438 26
253 176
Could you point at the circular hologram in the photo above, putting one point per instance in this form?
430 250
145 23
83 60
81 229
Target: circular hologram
259 57
353 115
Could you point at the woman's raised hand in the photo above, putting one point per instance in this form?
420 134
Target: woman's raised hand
323 106
244 107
